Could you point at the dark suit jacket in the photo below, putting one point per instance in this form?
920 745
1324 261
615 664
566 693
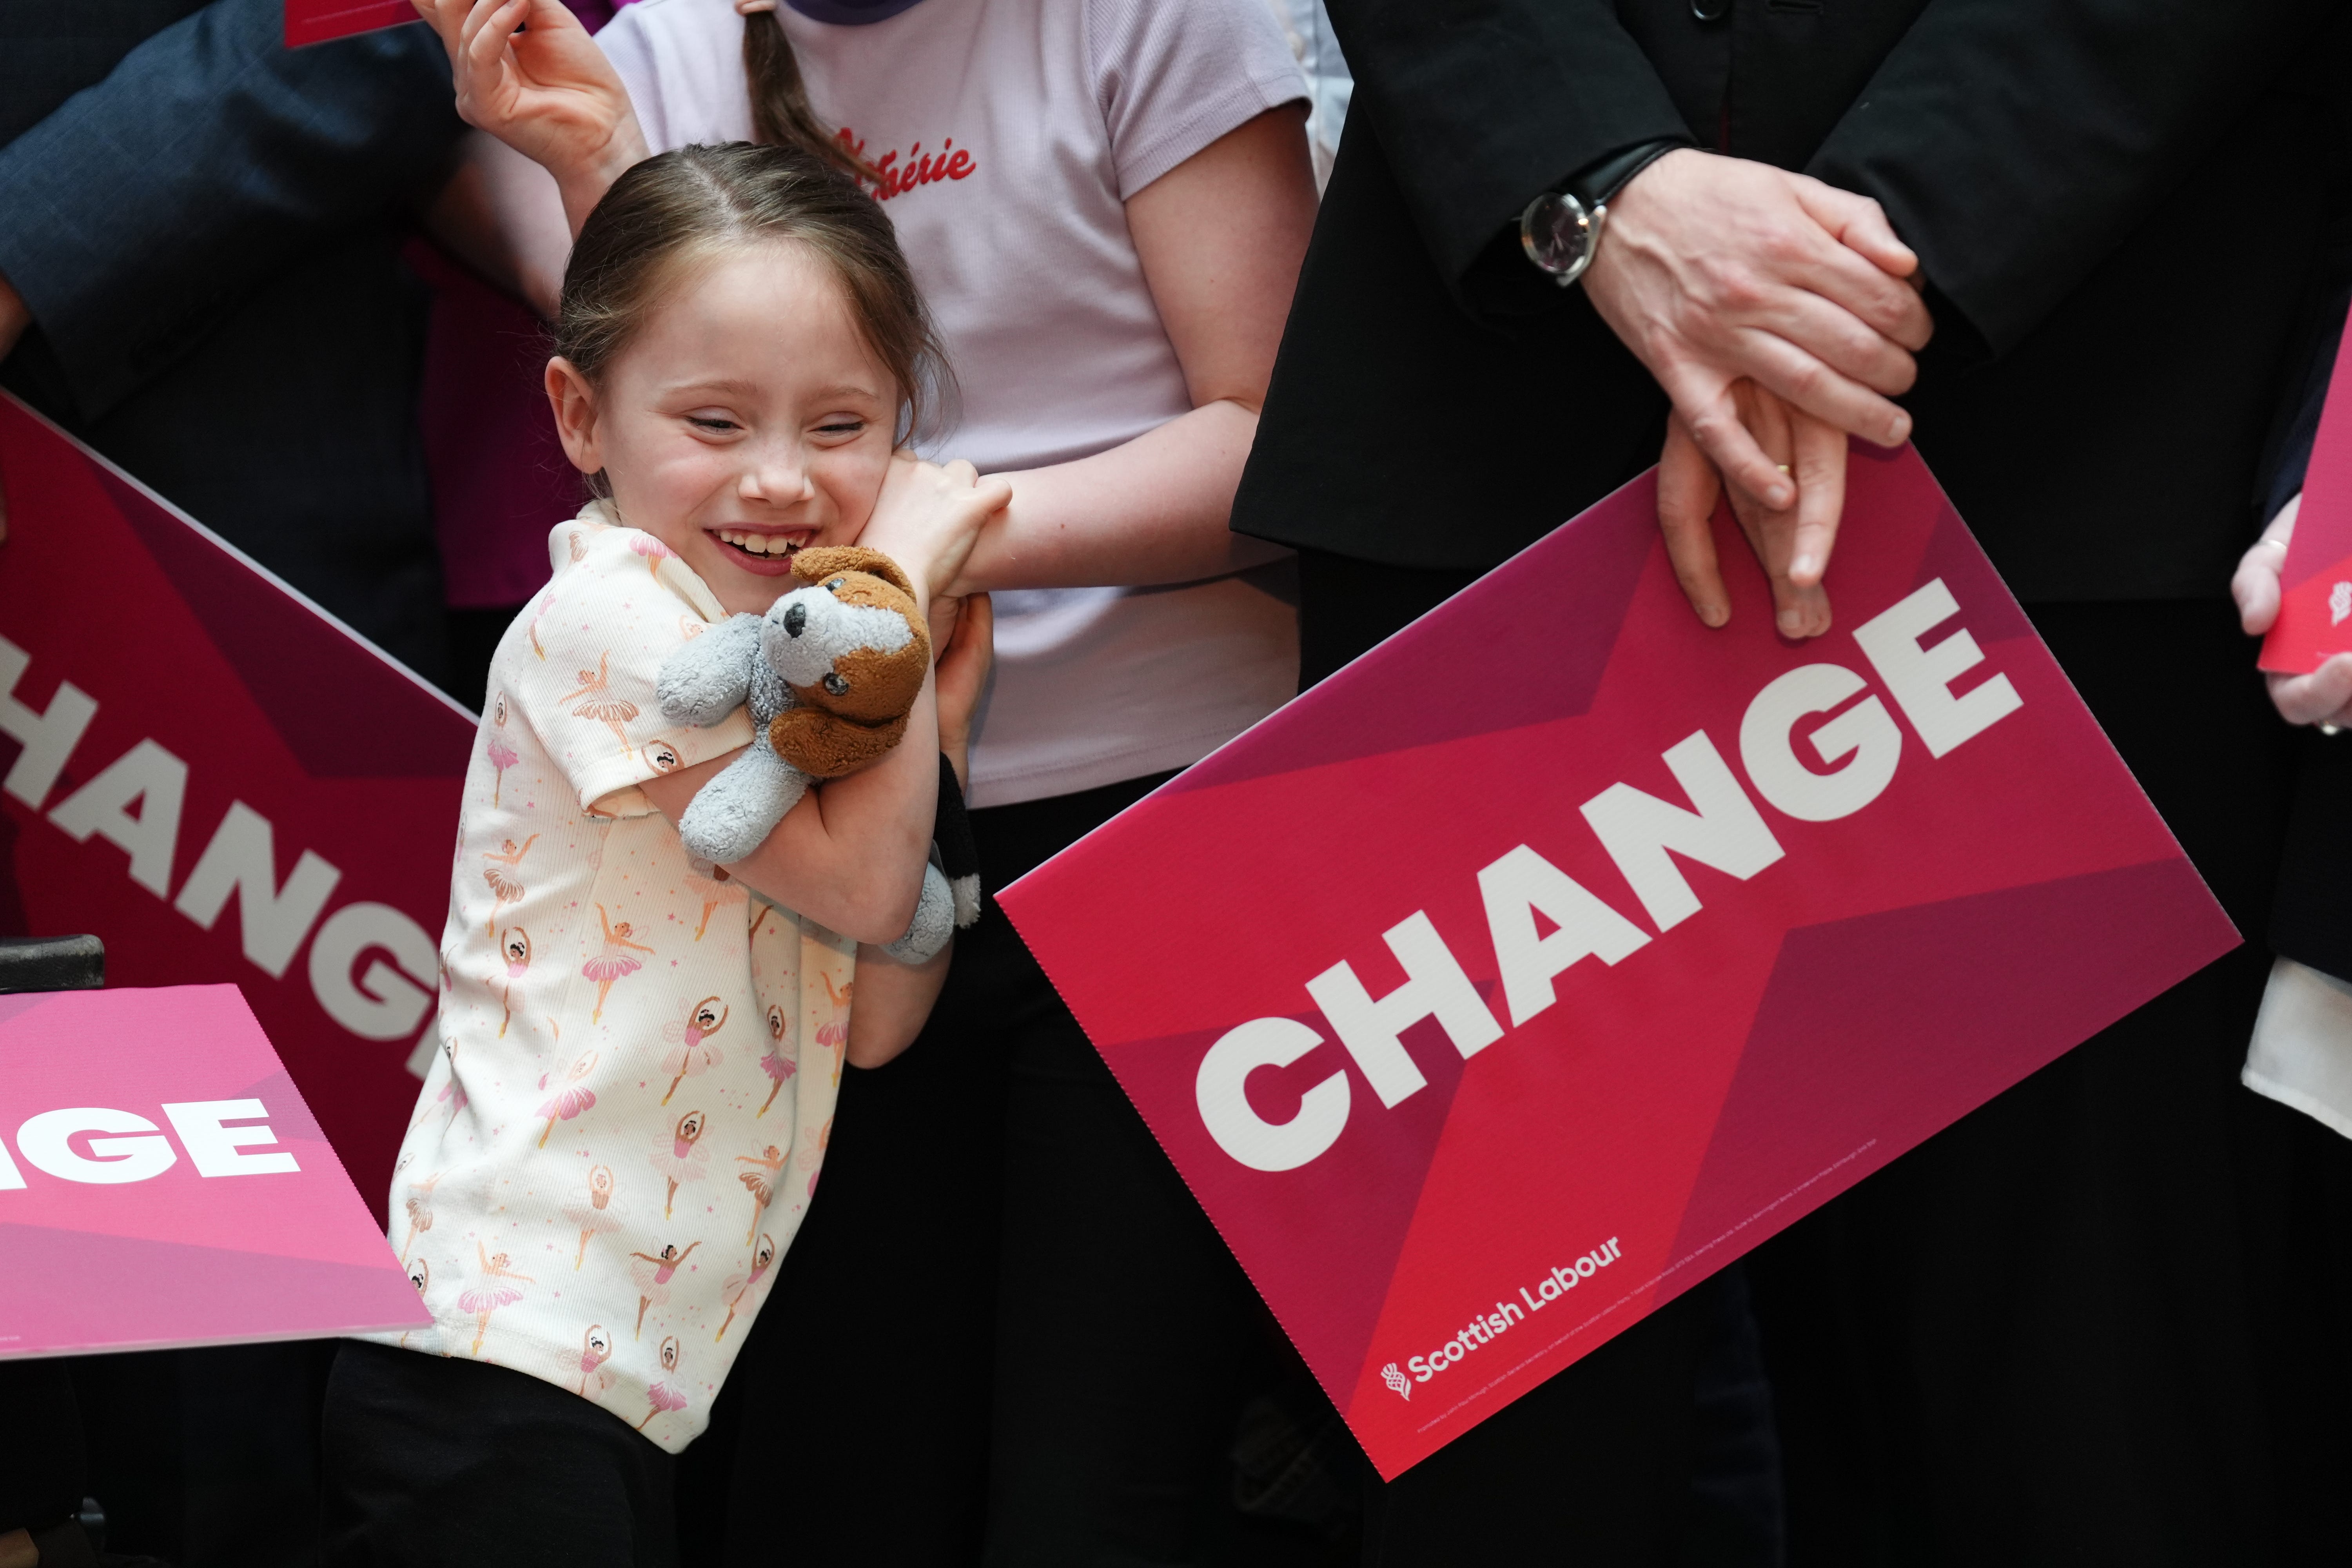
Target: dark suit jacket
205 228
2115 203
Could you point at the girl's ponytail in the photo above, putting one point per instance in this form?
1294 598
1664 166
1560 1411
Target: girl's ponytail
781 115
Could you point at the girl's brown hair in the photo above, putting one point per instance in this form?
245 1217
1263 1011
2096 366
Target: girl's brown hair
781 115
683 206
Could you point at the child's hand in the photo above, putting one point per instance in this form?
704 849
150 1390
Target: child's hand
527 73
967 653
928 516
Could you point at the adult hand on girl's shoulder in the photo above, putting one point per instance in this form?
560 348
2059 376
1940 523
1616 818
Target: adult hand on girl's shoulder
966 639
528 72
928 516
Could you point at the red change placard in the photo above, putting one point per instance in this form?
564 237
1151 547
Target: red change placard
162 1184
1560 949
316 21
2315 621
222 781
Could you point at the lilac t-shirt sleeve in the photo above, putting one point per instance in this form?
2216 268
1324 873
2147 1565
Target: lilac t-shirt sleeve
1172 78
682 62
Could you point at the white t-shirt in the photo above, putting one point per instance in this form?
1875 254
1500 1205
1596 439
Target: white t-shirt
2302 1050
1012 132
637 1064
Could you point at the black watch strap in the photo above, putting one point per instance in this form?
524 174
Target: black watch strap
1598 182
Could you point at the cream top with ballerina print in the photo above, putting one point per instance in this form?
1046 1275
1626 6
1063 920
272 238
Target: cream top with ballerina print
638 1063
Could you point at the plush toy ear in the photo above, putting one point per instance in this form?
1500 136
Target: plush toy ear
827 746
833 560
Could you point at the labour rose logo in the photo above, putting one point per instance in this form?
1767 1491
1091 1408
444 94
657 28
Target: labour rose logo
1396 1380
2339 603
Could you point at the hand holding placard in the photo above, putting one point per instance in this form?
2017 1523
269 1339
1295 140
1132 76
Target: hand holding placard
2312 622
2324 695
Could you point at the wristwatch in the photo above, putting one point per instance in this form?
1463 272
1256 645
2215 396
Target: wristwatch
1560 229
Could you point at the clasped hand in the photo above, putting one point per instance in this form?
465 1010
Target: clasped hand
1780 315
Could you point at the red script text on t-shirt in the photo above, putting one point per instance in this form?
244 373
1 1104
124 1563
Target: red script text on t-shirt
920 168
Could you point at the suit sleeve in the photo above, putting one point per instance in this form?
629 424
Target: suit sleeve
1481 104
202 165
2014 146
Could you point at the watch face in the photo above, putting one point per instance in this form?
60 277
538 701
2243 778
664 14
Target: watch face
1557 233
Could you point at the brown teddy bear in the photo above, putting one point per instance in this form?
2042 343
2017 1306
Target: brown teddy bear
853 651
829 674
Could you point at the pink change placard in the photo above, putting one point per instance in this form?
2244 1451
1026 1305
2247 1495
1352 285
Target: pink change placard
222 783
316 21
162 1184
1560 949
2315 622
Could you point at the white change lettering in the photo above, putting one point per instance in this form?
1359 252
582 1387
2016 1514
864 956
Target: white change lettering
242 859
1859 746
218 1150
1435 987
1921 678
157 782
44 1140
1221 1089
1724 830
1517 888
47 738
1863 732
385 1004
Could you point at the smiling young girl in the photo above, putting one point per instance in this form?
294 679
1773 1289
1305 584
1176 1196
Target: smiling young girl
740 351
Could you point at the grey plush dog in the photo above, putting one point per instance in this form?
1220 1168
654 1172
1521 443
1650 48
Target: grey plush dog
829 674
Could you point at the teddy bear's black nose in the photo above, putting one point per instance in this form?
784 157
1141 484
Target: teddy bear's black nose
795 620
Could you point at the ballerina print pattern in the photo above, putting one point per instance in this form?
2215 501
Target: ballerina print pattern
619 1026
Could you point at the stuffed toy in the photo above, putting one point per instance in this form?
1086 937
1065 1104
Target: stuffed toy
829 674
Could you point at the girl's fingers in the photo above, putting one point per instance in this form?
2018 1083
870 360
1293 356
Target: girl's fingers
1689 488
485 51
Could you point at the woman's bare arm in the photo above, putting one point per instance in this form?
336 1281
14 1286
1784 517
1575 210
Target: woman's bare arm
1221 236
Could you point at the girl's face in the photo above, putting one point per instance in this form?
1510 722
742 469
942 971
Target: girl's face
745 420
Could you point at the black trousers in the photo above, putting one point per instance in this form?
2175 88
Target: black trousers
435 1462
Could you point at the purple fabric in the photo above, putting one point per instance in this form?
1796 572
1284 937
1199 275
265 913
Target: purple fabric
850 13
499 477
500 481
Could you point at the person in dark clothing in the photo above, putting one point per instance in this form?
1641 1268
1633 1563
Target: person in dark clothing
2005 1313
199 276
